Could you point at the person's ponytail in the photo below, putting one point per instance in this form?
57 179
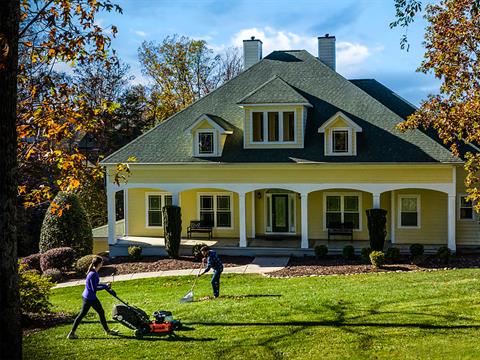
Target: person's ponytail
95 261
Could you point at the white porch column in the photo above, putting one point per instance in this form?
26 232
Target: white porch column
253 215
451 223
111 217
125 211
304 211
376 200
175 198
392 217
242 216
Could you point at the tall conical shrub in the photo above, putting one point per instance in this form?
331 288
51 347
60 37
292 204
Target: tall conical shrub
377 229
172 229
68 226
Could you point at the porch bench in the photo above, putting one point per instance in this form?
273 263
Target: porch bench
335 228
198 226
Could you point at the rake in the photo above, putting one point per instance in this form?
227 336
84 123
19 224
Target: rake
188 297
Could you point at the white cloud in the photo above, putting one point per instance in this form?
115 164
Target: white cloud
140 33
350 55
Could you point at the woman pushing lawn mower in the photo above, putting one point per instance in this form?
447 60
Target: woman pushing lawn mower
213 262
89 297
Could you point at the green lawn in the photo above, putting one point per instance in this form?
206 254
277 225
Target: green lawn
433 315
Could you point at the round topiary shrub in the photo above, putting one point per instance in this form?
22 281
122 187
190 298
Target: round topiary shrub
392 254
59 258
444 253
82 264
34 291
53 275
321 251
348 252
31 262
135 252
416 250
377 258
66 224
197 254
365 253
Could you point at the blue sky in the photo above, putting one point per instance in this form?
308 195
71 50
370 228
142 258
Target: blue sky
366 46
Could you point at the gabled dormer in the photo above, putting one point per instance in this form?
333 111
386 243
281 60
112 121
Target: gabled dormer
275 116
340 135
209 133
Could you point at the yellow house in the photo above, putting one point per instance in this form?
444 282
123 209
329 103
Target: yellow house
284 151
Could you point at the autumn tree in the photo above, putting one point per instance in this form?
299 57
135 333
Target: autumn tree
452 42
11 339
182 70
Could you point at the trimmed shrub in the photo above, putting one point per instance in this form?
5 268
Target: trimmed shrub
321 251
31 262
377 229
54 275
392 254
416 250
377 258
172 229
135 252
365 252
444 253
82 264
68 226
59 258
34 291
348 252
197 254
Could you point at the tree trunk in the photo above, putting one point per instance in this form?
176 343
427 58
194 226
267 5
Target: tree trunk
11 340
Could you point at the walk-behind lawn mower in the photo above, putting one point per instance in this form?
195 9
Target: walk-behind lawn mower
138 320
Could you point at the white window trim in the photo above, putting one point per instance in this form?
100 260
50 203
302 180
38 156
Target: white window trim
330 149
280 127
342 211
268 215
147 205
399 208
215 194
215 143
459 205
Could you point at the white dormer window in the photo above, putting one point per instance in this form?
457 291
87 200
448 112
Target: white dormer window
273 127
340 135
340 140
206 142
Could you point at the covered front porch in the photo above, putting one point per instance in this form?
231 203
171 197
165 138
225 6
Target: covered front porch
278 218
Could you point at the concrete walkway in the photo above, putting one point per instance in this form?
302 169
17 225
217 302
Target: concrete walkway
259 265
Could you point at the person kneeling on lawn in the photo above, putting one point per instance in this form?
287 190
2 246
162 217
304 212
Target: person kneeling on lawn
89 297
213 262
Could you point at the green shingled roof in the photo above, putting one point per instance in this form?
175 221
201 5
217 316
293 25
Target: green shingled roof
274 91
327 92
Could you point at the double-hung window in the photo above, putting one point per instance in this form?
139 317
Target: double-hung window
409 211
273 126
216 210
155 202
342 208
465 208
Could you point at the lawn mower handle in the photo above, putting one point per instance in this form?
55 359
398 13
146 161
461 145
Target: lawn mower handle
114 294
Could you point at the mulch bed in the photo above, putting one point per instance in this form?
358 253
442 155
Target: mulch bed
32 323
337 265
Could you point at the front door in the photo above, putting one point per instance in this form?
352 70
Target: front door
280 213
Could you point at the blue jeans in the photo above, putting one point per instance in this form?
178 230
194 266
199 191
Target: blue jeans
216 282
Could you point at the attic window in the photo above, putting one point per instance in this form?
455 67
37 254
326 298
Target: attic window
205 142
340 141
273 127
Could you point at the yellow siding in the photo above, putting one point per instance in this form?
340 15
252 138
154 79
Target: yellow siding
467 231
339 123
299 127
289 173
433 219
204 125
